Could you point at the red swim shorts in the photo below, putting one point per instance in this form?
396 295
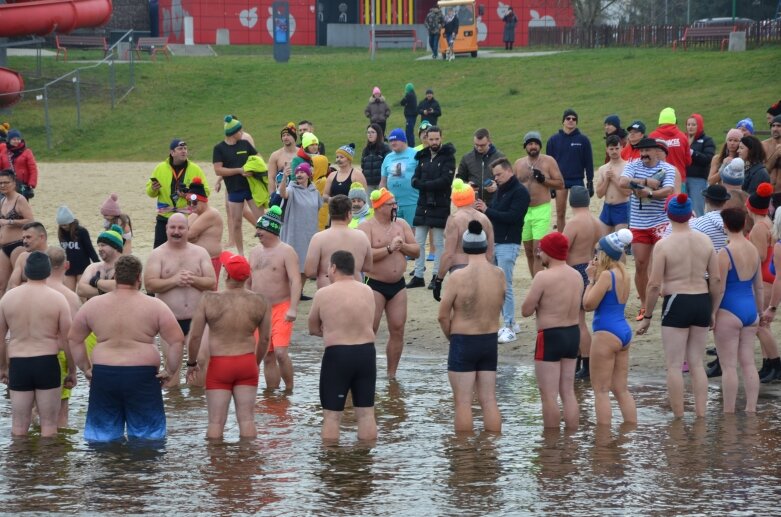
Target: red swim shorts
648 235
281 329
227 371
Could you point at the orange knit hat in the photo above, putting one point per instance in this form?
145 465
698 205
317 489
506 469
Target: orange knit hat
463 194
380 197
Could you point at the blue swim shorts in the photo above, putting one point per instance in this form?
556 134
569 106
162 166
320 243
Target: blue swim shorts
613 215
239 196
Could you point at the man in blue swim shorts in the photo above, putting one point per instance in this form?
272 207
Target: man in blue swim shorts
125 382
469 317
615 210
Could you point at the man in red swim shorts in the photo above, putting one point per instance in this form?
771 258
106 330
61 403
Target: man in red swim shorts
235 316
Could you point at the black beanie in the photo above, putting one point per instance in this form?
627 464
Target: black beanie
569 112
38 266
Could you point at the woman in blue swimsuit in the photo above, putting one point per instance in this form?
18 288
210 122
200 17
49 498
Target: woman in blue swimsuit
610 343
738 312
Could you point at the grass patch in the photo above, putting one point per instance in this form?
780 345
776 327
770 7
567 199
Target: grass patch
188 97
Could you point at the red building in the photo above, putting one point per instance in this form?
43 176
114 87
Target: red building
249 22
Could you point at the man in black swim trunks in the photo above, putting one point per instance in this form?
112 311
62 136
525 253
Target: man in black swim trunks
28 364
343 314
391 240
555 296
469 318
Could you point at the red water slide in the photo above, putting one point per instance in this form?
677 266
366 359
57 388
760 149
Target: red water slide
42 17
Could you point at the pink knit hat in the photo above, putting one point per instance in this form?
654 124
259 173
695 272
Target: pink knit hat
376 91
110 207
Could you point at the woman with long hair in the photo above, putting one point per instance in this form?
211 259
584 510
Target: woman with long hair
112 214
753 155
736 312
15 212
729 150
606 294
76 242
373 154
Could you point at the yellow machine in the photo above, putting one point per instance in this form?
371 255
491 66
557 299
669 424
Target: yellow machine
466 38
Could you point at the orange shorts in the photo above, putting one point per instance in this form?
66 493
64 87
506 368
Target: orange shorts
281 329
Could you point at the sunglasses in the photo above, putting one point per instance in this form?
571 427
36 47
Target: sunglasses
571 118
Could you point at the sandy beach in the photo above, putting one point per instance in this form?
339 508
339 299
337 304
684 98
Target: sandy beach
84 186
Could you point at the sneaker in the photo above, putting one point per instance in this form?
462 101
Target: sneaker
416 282
517 328
305 298
583 374
506 335
641 314
430 257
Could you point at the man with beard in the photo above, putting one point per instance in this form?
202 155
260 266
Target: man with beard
540 174
178 272
475 166
283 156
361 210
98 278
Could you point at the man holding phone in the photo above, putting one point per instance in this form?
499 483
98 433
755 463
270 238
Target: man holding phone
168 184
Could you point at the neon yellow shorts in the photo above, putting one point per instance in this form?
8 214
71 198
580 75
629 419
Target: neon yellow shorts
536 224
89 343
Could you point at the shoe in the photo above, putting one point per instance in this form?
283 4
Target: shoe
305 298
416 282
582 374
715 370
641 314
685 367
771 375
628 250
517 328
713 363
430 257
711 351
506 335
433 283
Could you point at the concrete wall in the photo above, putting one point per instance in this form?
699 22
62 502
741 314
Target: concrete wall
350 35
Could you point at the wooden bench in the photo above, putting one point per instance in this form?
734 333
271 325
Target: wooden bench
153 46
397 36
64 42
710 33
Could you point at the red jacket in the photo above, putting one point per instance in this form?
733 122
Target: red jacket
678 154
629 153
5 162
24 165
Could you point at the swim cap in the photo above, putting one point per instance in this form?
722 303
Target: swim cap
236 266
38 266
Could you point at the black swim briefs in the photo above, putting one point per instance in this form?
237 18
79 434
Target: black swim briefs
686 310
348 368
10 247
185 325
472 352
40 372
557 343
385 289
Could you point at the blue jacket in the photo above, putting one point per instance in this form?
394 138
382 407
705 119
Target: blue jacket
507 211
573 154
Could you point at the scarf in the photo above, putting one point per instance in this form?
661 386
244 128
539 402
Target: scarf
363 212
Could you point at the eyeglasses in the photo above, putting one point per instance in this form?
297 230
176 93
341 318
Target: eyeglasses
571 118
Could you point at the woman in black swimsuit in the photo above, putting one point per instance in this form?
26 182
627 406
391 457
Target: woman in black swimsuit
15 212
339 181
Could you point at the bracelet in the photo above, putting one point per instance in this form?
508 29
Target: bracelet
388 248
192 364
647 317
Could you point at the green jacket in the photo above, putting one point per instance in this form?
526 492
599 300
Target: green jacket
164 174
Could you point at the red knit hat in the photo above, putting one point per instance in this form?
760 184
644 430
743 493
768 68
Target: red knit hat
759 201
555 245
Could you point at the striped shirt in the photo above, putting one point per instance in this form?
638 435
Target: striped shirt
648 213
711 224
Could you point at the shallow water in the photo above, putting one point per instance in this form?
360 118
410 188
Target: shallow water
418 466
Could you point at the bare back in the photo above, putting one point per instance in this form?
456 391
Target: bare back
478 292
345 310
555 295
270 274
74 302
684 257
455 227
233 317
539 193
36 316
583 231
337 238
205 230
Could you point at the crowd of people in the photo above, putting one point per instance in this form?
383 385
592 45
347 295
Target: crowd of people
698 225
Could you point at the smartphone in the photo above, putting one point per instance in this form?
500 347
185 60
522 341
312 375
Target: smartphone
634 185
487 183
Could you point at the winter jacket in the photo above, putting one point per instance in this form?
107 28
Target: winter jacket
507 211
432 117
164 174
371 163
702 150
510 21
434 21
476 168
573 154
5 161
677 147
410 103
23 163
377 110
433 177
754 176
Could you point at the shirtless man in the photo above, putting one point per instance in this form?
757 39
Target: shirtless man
469 318
583 232
391 240
205 225
540 174
275 274
772 147
234 316
282 157
125 383
338 237
615 210
178 272
343 314
34 238
56 281
688 298
453 257
28 363
555 296
98 278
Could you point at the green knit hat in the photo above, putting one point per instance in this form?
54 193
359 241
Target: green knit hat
409 88
113 238
232 125
271 221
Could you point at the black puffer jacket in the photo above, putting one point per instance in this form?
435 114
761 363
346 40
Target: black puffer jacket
433 178
703 148
371 162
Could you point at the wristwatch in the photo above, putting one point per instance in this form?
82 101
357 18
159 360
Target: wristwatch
650 194
772 308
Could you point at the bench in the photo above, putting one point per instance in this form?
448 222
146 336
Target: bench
397 36
706 34
64 42
153 46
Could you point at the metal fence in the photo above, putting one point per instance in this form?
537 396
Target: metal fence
59 99
757 34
